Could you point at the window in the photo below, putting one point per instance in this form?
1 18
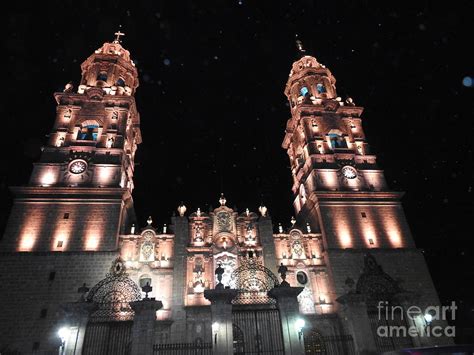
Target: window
337 141
144 279
88 133
120 82
66 215
363 214
320 88
302 278
102 76
371 241
43 313
36 345
59 244
304 91
52 275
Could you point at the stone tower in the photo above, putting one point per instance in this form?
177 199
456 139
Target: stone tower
340 192
338 186
79 194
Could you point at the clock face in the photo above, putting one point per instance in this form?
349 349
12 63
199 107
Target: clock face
349 172
78 166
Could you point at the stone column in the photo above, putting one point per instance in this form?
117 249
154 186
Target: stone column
221 310
355 311
180 228
143 329
77 317
287 302
265 231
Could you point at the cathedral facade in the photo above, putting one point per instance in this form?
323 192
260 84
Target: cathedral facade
79 275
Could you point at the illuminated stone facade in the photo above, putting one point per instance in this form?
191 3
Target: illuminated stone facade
75 218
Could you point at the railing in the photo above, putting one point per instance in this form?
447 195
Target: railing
197 348
339 344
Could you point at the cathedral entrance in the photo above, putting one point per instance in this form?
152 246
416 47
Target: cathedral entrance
109 330
256 320
257 331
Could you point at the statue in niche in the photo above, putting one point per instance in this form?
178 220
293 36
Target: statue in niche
198 235
110 142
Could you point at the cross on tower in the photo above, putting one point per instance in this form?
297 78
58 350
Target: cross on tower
117 36
299 44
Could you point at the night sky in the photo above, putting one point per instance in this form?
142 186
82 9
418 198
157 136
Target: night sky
213 111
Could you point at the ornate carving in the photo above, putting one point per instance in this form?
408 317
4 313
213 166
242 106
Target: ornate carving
223 222
253 281
113 295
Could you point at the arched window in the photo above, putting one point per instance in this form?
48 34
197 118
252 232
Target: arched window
304 91
302 194
144 279
102 76
88 132
320 88
337 141
120 82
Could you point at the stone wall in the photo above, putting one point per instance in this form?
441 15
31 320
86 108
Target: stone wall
29 286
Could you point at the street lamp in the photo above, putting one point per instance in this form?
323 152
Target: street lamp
299 325
215 330
428 318
63 334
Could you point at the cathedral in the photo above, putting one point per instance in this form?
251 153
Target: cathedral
80 276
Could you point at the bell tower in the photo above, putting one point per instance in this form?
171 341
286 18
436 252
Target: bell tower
79 194
338 186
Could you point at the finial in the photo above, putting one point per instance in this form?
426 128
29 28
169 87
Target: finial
164 228
219 272
198 212
280 228
247 212
263 210
117 36
132 230
293 221
308 227
222 200
149 221
182 209
299 45
147 289
282 270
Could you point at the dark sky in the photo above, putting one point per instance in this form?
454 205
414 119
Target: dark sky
213 111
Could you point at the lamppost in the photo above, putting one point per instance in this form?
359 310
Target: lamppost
63 334
299 325
428 319
215 330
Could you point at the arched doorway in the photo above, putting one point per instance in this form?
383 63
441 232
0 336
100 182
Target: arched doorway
109 330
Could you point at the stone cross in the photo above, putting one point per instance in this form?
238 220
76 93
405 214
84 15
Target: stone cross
117 36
